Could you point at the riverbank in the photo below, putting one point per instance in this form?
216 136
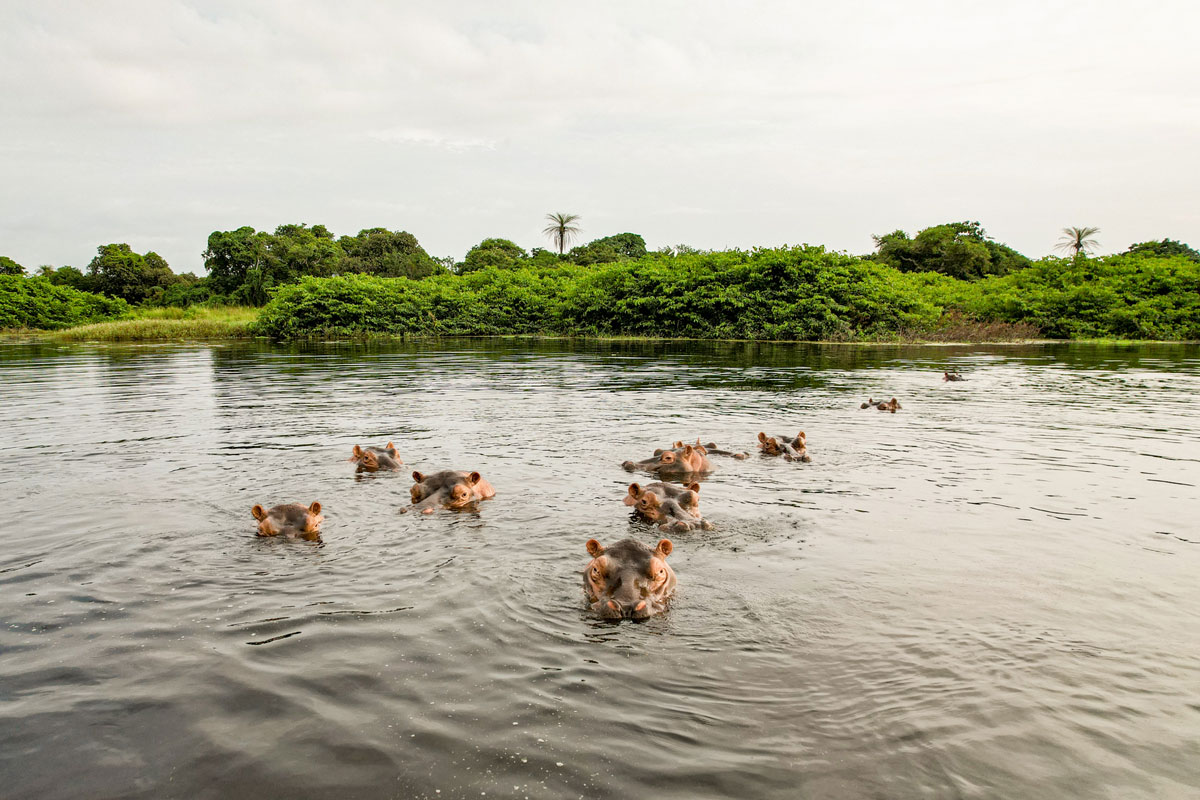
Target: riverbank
162 324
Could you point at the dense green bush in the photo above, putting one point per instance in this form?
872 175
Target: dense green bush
787 293
37 303
1123 296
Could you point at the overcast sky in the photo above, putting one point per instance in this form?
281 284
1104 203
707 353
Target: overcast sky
712 124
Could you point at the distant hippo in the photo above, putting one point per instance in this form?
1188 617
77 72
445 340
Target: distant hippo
377 458
791 448
674 508
628 580
292 520
678 463
891 405
448 489
952 376
711 449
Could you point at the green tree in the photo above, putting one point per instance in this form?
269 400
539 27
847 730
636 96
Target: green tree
10 267
246 264
232 256
1078 240
959 249
499 253
117 271
561 229
1163 249
67 276
621 247
378 251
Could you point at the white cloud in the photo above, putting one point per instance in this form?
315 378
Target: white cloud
715 124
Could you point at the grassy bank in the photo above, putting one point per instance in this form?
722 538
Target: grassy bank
166 324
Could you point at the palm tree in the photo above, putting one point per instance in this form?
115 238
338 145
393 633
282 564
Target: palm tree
560 230
1078 239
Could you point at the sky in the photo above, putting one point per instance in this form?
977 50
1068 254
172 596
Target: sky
717 125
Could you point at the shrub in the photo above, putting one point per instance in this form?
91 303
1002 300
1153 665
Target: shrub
37 303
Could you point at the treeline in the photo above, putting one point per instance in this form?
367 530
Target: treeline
946 278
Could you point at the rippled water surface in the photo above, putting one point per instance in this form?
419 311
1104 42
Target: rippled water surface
993 593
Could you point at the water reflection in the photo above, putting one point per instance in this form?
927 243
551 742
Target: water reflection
983 595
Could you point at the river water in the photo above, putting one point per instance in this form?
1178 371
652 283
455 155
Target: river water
993 593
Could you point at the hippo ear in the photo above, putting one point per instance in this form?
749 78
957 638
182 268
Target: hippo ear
664 548
688 450
259 512
762 437
389 446
678 444
801 436
594 548
358 451
418 477
474 478
701 449
635 491
695 487
315 508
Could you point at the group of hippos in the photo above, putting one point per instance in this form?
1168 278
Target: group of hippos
626 580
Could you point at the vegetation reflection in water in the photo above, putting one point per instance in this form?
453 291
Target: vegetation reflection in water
978 596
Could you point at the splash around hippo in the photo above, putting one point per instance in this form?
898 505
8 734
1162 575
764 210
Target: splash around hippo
452 489
292 521
628 580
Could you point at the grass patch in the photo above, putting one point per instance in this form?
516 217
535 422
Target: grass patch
166 324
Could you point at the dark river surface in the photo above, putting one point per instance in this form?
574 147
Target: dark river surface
993 593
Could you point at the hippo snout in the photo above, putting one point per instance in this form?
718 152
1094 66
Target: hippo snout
626 608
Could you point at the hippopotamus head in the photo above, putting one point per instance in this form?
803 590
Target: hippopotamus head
665 489
679 461
892 405
292 520
377 458
628 580
448 489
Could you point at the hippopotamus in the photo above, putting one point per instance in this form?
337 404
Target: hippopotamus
791 448
376 458
292 520
711 449
448 489
677 463
675 508
952 376
891 405
628 580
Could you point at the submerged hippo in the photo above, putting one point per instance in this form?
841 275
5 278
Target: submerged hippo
674 508
448 489
791 448
292 520
892 405
711 449
952 376
628 580
377 458
677 463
